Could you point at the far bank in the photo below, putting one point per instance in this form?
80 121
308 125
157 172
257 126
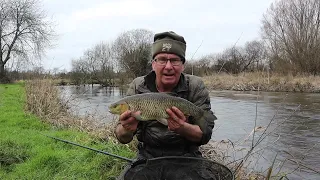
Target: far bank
252 81
263 82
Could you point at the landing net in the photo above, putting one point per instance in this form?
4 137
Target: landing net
176 168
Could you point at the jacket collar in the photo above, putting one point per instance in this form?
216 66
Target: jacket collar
149 84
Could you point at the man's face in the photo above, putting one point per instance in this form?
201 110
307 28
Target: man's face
167 72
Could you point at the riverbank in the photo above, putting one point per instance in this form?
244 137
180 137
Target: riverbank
263 82
27 154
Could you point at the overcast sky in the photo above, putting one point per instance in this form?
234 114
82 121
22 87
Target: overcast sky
81 24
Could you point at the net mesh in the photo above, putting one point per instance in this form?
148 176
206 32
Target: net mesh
173 168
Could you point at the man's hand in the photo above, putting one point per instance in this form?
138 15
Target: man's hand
178 123
128 122
176 120
128 125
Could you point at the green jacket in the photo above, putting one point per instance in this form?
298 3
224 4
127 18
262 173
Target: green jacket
156 140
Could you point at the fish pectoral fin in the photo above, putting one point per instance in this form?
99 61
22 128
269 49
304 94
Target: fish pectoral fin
138 117
163 121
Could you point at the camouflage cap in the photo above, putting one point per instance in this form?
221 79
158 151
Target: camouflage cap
169 42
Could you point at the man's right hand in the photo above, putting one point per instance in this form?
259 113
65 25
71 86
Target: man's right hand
128 125
128 122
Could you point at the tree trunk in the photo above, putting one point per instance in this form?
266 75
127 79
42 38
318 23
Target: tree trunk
3 77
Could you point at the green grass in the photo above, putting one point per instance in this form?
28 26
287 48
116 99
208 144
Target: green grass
27 154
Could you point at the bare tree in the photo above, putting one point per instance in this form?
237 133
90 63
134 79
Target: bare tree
237 59
201 66
23 30
95 66
78 73
291 28
133 51
231 60
90 65
255 55
106 65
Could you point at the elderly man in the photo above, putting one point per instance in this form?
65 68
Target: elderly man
181 137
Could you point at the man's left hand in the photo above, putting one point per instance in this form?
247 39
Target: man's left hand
177 119
178 123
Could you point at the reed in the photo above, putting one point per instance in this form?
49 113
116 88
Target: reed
264 82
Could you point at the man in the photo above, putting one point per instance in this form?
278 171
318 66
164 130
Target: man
181 137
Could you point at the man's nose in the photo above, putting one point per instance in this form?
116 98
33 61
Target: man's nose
168 65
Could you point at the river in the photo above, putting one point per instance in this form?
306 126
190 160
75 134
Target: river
293 136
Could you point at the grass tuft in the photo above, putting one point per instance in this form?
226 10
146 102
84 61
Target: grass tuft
12 153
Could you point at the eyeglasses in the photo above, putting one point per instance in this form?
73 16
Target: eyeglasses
163 61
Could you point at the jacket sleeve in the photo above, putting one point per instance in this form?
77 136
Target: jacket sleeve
199 95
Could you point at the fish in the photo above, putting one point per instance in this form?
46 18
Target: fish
153 107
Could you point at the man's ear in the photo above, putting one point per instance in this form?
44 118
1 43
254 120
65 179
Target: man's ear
153 65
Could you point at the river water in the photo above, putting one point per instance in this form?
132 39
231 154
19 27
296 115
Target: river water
291 121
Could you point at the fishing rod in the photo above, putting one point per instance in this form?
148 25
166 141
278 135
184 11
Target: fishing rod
96 150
